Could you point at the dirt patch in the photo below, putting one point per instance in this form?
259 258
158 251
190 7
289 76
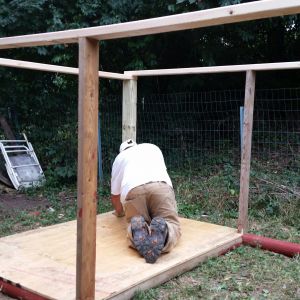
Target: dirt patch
25 211
20 202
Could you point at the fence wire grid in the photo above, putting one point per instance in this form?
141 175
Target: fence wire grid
200 137
193 128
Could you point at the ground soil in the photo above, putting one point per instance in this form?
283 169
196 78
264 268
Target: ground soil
20 202
13 202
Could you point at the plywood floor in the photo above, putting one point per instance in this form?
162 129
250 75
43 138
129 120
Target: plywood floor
44 260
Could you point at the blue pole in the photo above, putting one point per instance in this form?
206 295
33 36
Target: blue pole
241 126
100 169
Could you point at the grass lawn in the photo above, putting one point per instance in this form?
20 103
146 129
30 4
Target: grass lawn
245 273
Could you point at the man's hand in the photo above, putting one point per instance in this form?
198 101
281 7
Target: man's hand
119 215
119 211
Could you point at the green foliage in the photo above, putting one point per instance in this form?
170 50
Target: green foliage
140 295
46 104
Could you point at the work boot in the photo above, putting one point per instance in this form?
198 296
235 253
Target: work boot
140 233
157 239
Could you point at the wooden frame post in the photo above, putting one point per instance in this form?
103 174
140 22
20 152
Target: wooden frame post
87 168
129 109
246 151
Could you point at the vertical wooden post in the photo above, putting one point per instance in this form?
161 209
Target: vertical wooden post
246 151
87 168
7 130
129 109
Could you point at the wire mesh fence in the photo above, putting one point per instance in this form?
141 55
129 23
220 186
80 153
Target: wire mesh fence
192 127
200 137
110 120
276 132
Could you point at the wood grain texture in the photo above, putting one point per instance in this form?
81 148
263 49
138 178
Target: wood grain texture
43 260
246 152
129 109
156 72
87 167
21 64
210 17
216 69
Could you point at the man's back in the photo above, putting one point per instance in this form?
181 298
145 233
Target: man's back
141 190
138 165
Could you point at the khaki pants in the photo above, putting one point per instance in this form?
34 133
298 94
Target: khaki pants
154 199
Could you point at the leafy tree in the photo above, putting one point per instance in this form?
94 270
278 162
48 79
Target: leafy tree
44 101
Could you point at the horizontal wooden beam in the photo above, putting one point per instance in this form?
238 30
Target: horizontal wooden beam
157 72
56 69
204 18
216 69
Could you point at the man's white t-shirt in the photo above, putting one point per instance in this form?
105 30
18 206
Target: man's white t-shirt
135 166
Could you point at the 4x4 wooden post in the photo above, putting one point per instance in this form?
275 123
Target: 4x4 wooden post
129 109
87 167
246 151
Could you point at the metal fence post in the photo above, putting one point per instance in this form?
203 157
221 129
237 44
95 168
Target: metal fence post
100 167
241 126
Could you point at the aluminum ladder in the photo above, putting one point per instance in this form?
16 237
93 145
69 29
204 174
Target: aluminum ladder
21 162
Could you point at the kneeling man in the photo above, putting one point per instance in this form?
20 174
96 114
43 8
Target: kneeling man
142 190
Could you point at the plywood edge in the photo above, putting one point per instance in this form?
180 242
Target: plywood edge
178 269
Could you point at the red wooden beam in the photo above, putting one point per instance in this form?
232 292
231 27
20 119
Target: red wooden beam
15 290
277 246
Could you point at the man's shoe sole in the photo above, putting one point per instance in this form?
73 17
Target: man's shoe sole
139 234
157 238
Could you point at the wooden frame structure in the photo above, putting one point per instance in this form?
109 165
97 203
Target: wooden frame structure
88 102
205 18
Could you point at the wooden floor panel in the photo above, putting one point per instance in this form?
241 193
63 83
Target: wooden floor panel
44 260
